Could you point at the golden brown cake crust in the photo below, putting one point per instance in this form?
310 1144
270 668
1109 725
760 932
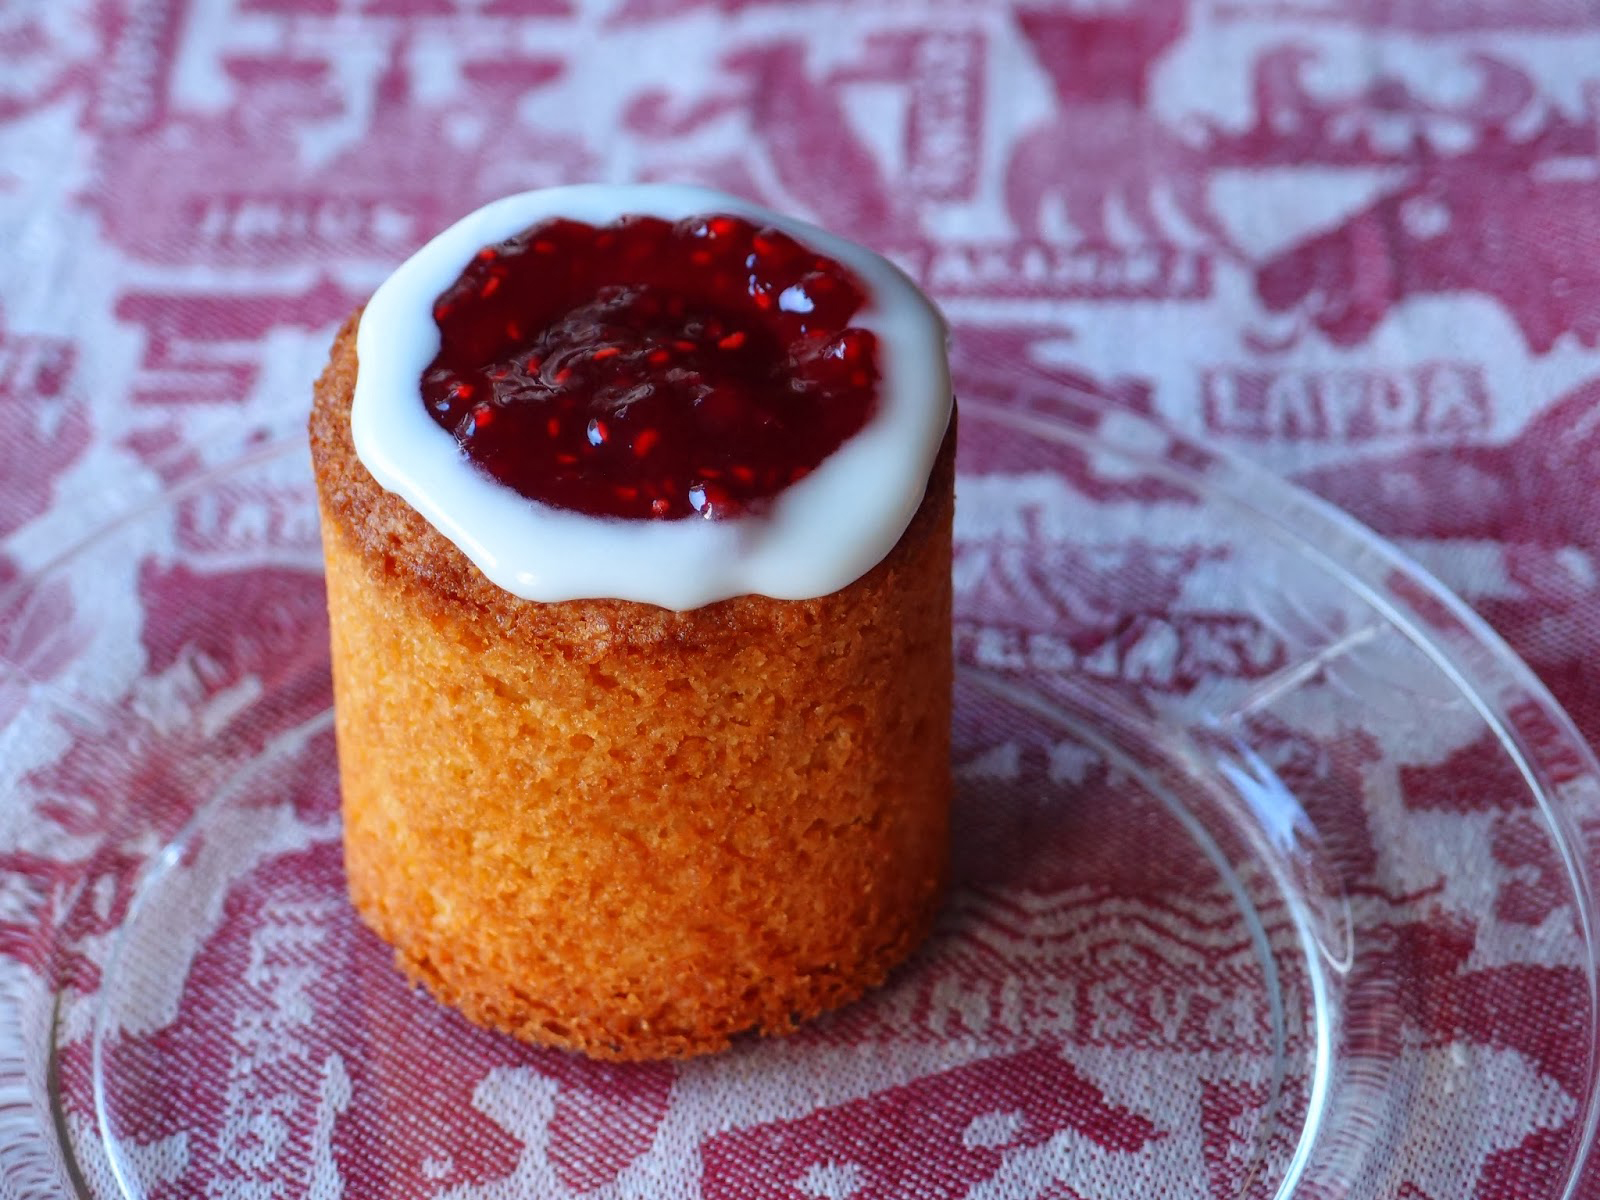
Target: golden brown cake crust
629 831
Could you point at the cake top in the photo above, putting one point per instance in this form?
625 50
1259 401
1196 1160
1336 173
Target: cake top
652 393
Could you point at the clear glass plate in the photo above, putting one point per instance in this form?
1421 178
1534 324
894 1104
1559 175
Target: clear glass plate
1274 875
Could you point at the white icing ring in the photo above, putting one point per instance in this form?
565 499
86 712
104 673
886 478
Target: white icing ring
815 537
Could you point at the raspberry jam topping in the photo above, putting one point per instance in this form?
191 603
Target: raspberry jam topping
649 368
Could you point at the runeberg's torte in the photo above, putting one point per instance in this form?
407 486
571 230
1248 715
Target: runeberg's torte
637 506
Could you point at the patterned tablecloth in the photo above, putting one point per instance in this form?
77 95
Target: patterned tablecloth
1357 241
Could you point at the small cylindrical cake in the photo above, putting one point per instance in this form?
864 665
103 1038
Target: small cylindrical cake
636 505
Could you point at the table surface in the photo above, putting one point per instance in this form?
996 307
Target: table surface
1356 241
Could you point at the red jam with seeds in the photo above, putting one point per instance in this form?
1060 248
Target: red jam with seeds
651 368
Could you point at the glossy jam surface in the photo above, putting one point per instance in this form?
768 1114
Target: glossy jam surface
651 369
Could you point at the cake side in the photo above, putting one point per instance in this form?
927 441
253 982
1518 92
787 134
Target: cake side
622 829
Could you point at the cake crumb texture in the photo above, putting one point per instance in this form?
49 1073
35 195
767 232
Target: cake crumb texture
619 829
